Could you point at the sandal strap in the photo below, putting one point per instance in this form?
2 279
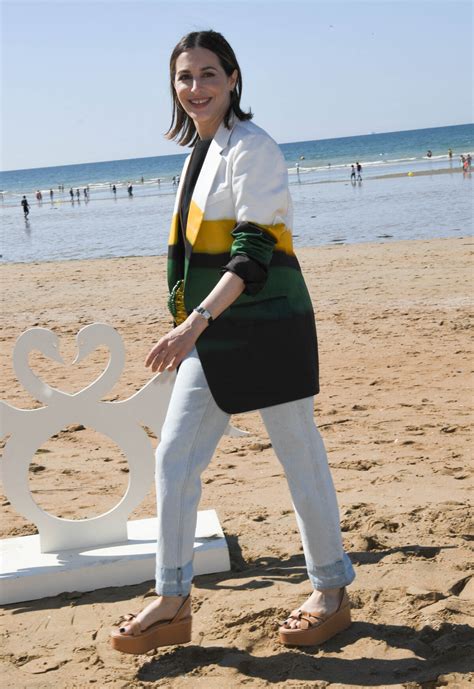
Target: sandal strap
183 610
308 620
125 618
305 619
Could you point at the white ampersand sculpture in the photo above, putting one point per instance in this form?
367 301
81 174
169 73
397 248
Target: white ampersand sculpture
122 421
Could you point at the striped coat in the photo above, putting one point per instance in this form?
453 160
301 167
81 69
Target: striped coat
262 350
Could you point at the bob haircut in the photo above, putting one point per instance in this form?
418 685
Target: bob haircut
182 128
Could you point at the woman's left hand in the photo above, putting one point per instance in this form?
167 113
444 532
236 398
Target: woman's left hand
171 349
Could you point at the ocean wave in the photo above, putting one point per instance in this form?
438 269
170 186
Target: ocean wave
401 160
346 166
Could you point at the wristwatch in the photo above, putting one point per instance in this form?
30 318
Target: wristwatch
204 313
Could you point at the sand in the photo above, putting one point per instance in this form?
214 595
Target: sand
424 173
395 343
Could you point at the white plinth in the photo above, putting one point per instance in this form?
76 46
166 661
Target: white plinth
28 574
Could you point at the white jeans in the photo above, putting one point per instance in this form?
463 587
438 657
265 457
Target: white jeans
193 426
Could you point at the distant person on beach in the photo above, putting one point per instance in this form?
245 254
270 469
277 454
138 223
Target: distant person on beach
159 181
78 194
450 153
142 179
353 173
25 206
298 171
469 161
429 154
244 339
130 190
114 189
71 194
359 171
39 195
85 191
51 194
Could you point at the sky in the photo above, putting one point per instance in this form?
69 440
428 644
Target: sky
88 81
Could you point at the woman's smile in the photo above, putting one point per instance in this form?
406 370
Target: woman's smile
199 102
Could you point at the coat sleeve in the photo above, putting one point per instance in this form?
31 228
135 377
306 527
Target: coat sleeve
261 199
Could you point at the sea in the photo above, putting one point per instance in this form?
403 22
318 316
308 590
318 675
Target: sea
390 202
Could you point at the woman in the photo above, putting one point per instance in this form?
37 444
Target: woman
244 339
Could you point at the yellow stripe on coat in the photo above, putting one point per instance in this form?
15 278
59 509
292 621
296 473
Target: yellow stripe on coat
214 236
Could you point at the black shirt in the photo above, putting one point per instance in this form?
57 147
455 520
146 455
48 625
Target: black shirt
198 156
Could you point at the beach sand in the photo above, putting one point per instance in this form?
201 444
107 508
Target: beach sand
395 344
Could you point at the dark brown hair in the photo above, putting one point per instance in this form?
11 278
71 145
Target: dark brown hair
182 127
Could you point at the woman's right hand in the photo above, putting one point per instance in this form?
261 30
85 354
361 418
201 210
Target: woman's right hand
171 349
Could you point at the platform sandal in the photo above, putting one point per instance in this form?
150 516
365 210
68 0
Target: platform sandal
314 628
162 633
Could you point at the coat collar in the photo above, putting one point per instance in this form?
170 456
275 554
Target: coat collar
205 181
219 142
222 135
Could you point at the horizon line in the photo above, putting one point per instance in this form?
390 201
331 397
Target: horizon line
167 155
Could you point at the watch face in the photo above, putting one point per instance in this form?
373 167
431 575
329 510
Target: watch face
204 312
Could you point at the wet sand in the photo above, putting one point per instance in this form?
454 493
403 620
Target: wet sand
424 173
395 331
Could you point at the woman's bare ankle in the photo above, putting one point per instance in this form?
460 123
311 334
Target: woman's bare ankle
176 599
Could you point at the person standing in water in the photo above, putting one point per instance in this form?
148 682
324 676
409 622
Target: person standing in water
25 206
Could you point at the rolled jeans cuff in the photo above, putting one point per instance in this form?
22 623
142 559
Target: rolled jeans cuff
334 576
174 581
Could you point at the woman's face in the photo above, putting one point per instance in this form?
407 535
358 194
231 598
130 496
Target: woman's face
203 89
